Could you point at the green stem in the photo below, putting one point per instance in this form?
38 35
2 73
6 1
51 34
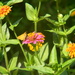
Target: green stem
39 6
6 58
0 26
32 73
21 47
57 5
19 41
35 26
61 59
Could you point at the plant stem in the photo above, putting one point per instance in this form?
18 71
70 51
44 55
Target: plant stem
57 5
32 73
19 41
61 59
39 6
35 26
21 47
0 26
6 58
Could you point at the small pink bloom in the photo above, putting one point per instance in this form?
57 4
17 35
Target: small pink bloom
34 38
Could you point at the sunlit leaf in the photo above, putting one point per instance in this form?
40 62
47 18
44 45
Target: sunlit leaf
53 56
7 34
11 41
52 21
57 32
7 49
70 30
65 18
4 28
64 66
13 61
3 70
30 12
1 37
64 50
71 11
46 70
43 17
56 40
11 2
37 61
44 52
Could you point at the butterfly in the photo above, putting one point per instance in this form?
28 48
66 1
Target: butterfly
22 36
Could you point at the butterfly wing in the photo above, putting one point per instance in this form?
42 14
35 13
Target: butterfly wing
22 36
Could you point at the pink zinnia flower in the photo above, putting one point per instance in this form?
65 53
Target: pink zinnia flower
34 38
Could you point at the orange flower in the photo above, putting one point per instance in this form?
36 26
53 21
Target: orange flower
72 14
4 10
71 50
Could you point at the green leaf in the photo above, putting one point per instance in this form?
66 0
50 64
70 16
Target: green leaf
46 70
65 73
64 50
37 61
61 33
65 18
1 4
53 56
47 15
1 37
70 30
55 23
13 61
43 17
12 41
7 49
25 69
57 32
3 70
11 2
44 52
12 26
56 40
30 12
65 66
71 11
17 22
5 32
4 28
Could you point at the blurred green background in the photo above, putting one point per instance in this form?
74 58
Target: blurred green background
48 6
